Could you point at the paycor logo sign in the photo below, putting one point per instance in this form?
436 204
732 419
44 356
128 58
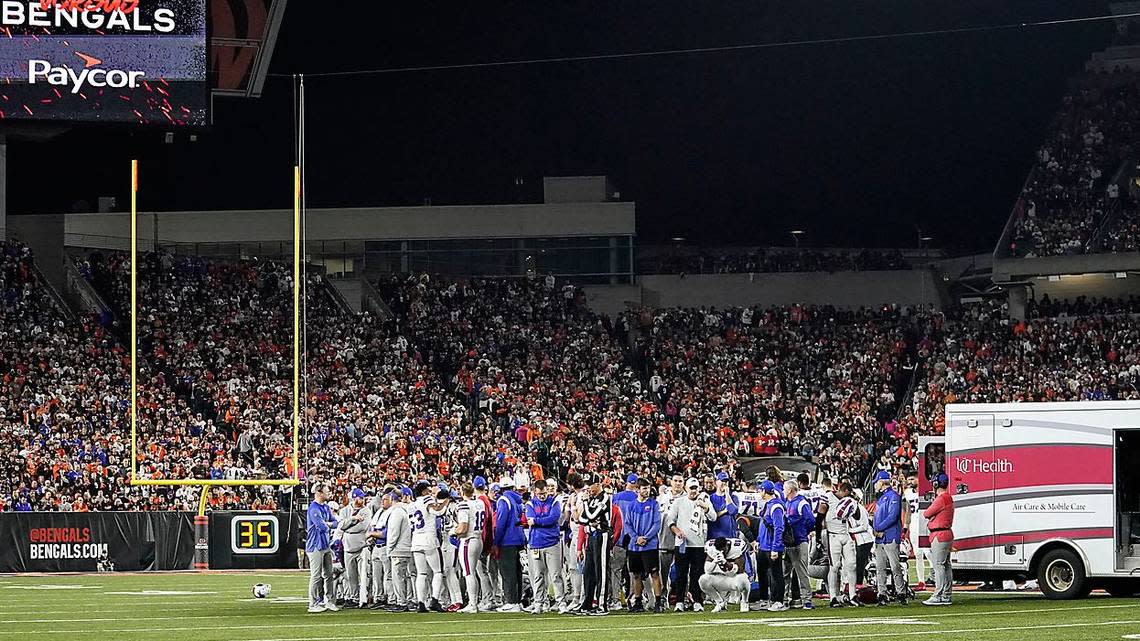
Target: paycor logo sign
89 75
972 465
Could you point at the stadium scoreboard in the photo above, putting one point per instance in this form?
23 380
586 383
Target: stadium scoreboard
254 534
126 61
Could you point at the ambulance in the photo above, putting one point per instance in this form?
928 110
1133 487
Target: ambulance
1042 490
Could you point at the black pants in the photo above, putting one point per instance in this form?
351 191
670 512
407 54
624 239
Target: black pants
595 571
690 567
511 571
862 555
772 588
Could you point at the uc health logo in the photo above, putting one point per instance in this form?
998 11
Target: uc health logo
966 465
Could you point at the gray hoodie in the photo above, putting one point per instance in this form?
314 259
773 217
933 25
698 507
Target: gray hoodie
692 518
399 531
355 533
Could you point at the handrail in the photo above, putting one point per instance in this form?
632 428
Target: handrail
369 293
868 483
55 296
1001 249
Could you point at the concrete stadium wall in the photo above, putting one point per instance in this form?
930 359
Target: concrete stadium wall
112 231
842 289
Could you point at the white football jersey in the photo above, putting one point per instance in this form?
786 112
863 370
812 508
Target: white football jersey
425 534
814 497
836 521
911 498
472 513
750 503
736 547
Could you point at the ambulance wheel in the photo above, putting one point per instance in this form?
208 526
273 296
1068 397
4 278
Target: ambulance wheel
1061 575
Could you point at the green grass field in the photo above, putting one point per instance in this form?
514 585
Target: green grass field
205 607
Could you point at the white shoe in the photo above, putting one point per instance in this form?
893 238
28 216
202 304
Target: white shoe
763 605
314 609
744 604
698 607
777 606
471 609
331 607
510 607
563 608
719 607
680 607
486 607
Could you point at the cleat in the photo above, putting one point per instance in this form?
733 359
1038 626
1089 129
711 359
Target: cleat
331 607
314 609
743 605
698 606
719 607
680 607
836 603
777 606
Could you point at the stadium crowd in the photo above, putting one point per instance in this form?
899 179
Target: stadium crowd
1070 190
748 260
816 382
494 376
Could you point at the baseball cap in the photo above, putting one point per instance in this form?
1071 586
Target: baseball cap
631 479
420 487
882 475
507 482
405 490
767 486
721 476
358 493
692 484
479 482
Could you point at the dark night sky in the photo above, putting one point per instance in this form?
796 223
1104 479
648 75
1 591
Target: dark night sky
856 143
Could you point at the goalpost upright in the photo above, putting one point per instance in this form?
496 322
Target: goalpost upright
201 521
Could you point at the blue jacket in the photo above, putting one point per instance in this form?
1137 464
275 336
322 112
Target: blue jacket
508 513
771 537
801 518
888 509
624 497
543 517
319 534
641 518
724 525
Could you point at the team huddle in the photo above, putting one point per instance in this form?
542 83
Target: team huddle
580 547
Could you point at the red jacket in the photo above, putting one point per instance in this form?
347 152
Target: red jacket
940 517
488 524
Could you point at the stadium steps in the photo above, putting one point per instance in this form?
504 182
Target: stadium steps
344 292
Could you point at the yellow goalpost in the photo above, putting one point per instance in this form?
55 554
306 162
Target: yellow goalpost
205 484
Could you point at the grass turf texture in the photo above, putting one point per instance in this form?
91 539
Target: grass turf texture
208 607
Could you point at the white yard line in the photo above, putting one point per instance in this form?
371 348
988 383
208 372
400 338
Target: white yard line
797 637
326 621
915 633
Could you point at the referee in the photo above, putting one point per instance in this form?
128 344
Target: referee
594 549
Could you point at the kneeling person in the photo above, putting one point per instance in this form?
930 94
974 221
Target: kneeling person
724 572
